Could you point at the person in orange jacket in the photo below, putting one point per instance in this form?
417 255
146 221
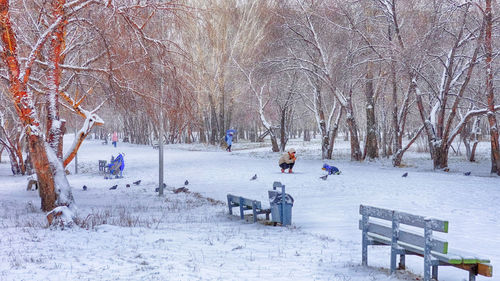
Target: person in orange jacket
287 160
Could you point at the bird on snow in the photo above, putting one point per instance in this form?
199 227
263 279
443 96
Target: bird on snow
405 175
137 182
158 189
467 173
180 189
128 185
186 182
84 187
254 177
324 177
113 187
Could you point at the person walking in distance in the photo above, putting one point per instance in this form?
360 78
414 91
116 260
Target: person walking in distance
229 140
114 139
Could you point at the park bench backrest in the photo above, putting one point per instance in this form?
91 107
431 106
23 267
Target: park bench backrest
244 201
404 218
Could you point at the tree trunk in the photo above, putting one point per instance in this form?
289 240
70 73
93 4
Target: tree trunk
307 135
274 141
356 154
44 172
55 126
14 165
439 156
371 126
213 120
494 136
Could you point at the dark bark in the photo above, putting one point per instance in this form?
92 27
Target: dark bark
494 136
371 125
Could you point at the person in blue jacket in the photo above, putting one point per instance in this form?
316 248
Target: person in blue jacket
229 141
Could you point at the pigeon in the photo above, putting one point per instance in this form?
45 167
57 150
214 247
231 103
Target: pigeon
158 189
113 187
405 175
137 182
324 177
180 189
254 177
186 182
128 185
467 173
84 187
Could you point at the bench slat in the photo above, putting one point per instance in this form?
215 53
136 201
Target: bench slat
406 236
448 258
246 202
451 258
468 257
404 218
485 269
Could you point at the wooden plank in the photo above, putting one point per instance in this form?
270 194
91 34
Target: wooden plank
447 258
485 269
246 202
404 218
469 258
407 236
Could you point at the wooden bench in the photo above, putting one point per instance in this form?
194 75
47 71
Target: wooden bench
246 204
155 145
387 231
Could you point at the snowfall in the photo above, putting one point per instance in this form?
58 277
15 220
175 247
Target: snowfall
132 233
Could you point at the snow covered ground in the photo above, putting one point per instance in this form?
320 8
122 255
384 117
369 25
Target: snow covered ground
132 234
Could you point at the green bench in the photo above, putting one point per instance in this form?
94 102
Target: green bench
384 227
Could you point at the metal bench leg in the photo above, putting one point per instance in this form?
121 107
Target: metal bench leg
254 211
427 250
229 205
394 240
472 276
402 259
242 216
364 241
435 272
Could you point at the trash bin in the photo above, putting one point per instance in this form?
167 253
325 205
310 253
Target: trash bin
281 209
